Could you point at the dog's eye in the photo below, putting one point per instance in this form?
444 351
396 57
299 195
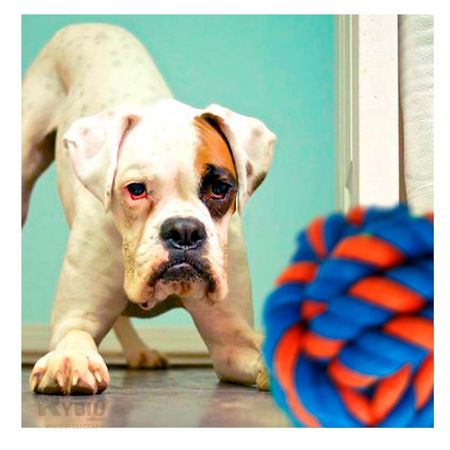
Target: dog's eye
219 189
137 190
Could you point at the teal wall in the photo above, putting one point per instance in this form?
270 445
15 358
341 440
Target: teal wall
278 68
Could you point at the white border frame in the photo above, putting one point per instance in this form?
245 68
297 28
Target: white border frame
367 111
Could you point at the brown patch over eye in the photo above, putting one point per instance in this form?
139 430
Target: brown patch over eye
214 166
214 148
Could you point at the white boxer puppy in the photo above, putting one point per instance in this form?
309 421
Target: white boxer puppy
152 190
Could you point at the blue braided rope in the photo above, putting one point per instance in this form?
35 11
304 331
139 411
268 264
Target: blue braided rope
368 349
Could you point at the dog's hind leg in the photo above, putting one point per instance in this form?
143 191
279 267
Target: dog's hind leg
137 354
42 97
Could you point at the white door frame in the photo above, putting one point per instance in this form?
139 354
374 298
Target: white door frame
367 111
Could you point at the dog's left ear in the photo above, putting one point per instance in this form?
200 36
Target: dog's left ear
251 143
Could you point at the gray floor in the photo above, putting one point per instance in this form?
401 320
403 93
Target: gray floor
179 397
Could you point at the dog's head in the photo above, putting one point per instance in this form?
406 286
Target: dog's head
172 176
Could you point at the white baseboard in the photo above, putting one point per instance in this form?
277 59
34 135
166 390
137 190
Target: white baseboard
182 345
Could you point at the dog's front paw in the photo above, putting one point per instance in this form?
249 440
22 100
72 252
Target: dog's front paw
145 358
69 372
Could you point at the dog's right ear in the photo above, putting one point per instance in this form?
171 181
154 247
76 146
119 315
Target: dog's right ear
94 145
251 144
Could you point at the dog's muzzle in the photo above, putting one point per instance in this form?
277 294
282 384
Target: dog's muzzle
185 240
183 267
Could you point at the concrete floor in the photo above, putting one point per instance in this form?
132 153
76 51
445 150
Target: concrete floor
178 397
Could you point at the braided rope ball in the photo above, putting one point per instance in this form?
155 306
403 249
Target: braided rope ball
349 329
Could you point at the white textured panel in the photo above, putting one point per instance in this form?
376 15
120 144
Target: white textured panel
416 94
377 156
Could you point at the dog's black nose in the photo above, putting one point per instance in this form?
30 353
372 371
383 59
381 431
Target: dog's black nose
183 233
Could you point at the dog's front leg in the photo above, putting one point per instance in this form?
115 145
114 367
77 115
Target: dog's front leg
89 299
227 326
234 347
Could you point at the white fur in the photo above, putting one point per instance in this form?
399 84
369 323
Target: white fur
105 81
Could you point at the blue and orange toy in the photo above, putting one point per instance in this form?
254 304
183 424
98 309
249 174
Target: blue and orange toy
349 329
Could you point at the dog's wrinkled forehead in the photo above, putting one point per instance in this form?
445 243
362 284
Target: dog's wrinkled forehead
174 140
165 134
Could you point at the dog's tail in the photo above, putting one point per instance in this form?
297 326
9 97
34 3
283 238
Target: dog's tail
42 95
